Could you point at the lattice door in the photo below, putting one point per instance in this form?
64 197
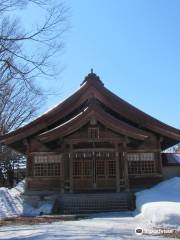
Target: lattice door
105 170
83 171
94 170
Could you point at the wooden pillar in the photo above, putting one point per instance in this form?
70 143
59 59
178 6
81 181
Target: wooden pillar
29 163
28 158
65 169
160 156
71 169
124 156
117 168
63 174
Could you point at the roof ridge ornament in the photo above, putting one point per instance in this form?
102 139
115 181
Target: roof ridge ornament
92 78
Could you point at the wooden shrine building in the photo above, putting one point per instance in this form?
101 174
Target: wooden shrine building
92 142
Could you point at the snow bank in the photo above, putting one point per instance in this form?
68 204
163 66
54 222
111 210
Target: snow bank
177 157
13 205
42 208
160 205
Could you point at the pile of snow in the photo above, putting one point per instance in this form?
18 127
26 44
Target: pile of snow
12 203
177 157
173 158
160 205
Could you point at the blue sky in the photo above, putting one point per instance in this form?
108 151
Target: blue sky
133 45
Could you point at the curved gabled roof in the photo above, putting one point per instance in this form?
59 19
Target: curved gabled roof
93 111
92 87
134 114
47 118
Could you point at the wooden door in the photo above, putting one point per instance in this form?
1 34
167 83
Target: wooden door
105 170
82 171
94 170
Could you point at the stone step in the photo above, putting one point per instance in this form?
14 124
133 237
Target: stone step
101 202
96 196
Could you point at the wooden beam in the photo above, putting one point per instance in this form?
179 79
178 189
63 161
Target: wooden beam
101 140
142 150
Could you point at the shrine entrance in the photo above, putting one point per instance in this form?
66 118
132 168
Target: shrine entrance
94 170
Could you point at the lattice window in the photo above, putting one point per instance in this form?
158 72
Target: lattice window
47 165
77 168
111 168
100 168
104 164
104 155
82 164
140 156
87 168
82 155
133 156
93 133
82 168
141 163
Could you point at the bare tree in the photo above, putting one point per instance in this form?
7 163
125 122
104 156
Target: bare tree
28 53
17 106
25 54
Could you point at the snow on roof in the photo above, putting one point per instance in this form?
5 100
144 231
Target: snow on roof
70 120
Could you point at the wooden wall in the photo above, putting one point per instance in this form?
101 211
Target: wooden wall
80 139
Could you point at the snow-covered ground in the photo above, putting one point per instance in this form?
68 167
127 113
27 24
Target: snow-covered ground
100 226
12 203
158 206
